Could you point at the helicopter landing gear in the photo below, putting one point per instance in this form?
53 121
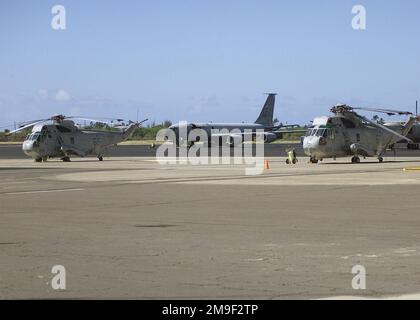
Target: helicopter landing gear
100 158
313 160
380 159
66 159
355 159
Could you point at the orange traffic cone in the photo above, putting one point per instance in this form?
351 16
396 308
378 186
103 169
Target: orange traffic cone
266 165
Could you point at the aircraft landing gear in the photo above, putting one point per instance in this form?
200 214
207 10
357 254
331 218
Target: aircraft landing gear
313 160
294 161
355 159
66 159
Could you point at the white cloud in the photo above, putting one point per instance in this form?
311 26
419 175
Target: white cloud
62 95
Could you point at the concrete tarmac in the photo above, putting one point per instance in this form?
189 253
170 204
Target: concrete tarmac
129 227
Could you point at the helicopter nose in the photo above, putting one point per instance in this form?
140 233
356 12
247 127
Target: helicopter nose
310 144
29 147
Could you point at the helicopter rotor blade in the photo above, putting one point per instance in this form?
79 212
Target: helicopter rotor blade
26 126
389 112
130 122
380 126
24 123
88 119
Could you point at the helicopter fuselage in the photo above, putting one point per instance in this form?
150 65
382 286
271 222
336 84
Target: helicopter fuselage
339 136
59 141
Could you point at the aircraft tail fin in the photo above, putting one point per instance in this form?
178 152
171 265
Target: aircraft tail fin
267 112
410 123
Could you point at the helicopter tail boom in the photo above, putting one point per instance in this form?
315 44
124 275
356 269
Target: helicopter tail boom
130 130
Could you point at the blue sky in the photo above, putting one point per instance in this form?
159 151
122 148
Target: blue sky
205 60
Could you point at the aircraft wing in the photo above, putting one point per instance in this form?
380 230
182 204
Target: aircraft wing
230 134
289 131
234 134
267 136
274 128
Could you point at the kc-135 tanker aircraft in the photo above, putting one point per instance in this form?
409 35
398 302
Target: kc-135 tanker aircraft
234 133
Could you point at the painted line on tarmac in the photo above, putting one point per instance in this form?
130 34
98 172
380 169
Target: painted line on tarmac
43 191
412 169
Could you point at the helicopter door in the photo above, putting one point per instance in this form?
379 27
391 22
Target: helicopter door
60 140
347 140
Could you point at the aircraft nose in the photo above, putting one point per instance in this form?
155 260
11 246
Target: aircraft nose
29 148
310 144
28 145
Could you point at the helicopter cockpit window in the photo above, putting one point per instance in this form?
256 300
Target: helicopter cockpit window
314 132
35 137
309 132
321 133
63 129
348 123
43 135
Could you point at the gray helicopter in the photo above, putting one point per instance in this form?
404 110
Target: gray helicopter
60 137
347 133
413 134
